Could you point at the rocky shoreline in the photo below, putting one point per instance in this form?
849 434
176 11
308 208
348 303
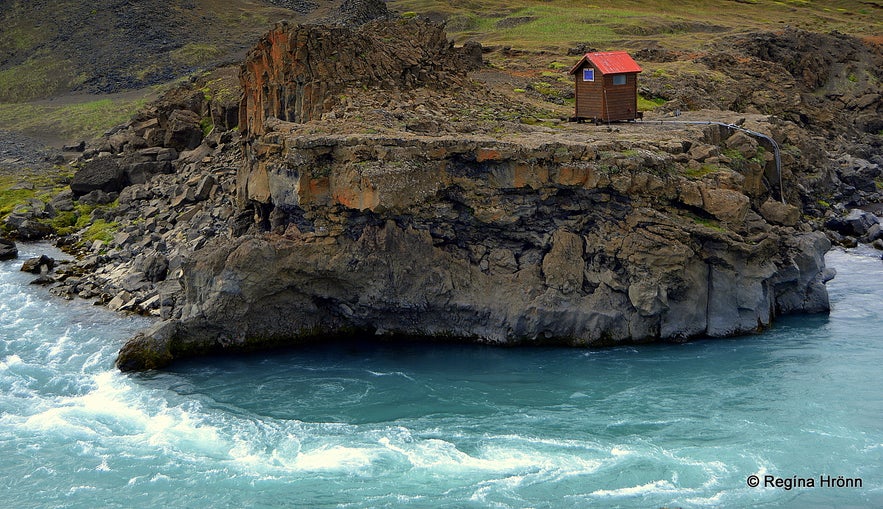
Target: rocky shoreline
323 206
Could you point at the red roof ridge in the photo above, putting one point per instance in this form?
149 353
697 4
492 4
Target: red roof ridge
609 62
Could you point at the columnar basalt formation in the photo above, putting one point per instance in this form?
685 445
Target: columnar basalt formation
298 72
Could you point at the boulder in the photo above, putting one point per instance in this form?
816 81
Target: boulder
27 228
856 223
725 204
151 349
780 213
140 173
101 174
63 201
183 131
155 266
8 250
38 265
43 280
76 147
204 188
97 197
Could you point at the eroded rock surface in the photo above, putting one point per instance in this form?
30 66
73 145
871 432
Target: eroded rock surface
495 241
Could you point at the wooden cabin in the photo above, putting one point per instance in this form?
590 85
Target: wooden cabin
606 87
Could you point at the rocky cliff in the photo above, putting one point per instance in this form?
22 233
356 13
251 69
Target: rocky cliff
524 235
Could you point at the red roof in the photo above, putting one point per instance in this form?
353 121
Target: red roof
609 62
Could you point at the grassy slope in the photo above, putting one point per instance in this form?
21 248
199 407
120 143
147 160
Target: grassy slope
57 122
50 47
556 25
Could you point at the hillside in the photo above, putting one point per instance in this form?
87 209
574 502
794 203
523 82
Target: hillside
53 47
558 25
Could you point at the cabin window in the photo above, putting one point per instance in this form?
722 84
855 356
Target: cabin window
619 79
588 74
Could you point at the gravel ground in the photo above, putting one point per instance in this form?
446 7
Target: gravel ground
18 151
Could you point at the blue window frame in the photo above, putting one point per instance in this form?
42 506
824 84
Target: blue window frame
588 74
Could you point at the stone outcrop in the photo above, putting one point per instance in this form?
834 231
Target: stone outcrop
299 72
549 240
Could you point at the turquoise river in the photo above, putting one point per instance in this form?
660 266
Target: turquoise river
364 424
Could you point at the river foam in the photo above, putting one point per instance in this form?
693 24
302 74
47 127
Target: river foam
387 425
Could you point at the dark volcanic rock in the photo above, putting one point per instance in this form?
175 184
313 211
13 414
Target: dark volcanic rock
8 251
856 223
183 131
481 239
103 174
77 147
38 265
358 12
298 72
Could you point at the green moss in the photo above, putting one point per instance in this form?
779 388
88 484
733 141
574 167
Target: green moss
206 124
544 88
100 230
195 53
36 77
707 222
83 120
649 104
519 90
697 173
44 186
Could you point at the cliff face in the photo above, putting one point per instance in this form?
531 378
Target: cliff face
502 241
538 236
297 73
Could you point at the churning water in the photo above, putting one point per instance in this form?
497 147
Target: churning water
390 425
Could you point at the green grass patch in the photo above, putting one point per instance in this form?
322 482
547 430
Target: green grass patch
100 230
44 186
697 173
708 223
560 24
9 199
83 120
645 104
206 124
39 76
195 53
544 88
